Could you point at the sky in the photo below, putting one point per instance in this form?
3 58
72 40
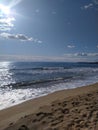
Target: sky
49 30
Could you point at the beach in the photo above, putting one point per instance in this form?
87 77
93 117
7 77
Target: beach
73 109
48 65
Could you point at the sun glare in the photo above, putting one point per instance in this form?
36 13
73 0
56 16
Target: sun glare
4 9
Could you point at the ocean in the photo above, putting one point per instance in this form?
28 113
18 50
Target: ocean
21 81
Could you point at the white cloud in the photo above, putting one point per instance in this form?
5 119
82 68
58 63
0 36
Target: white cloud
82 54
39 58
92 54
65 58
71 46
6 15
6 18
6 24
90 5
81 57
97 46
32 58
20 37
36 40
39 41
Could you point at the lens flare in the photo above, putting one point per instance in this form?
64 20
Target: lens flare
4 9
14 3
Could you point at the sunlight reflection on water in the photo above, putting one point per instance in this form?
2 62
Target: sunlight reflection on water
21 81
5 74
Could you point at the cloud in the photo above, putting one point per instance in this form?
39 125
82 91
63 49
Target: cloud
39 41
6 24
95 2
71 46
65 58
90 5
92 54
39 58
86 54
32 58
97 46
20 37
36 40
82 54
6 21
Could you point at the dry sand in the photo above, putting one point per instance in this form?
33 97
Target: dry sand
75 109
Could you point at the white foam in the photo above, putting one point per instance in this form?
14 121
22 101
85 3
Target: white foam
13 97
9 97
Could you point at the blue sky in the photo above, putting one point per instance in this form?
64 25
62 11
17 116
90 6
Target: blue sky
49 30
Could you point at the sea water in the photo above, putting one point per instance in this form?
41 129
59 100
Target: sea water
21 81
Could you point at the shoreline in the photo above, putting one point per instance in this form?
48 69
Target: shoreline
14 113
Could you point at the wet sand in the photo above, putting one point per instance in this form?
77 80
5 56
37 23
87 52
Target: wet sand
75 109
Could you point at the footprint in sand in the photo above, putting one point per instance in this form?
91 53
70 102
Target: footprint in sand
23 127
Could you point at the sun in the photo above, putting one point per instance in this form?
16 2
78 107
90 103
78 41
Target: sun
5 10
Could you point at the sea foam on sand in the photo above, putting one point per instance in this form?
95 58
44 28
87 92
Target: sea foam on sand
74 109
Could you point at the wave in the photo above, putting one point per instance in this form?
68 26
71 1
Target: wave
23 81
37 68
27 84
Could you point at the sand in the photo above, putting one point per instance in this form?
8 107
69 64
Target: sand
75 109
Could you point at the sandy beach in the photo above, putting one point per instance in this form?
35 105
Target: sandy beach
74 109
